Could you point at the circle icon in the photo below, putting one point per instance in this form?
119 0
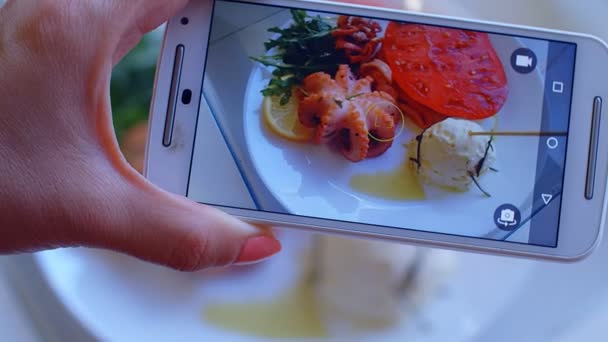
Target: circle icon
507 217
377 123
552 143
524 60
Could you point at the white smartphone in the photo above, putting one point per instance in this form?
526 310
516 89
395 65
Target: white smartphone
385 124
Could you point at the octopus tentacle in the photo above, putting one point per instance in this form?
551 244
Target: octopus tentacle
352 139
381 74
380 114
323 112
320 82
351 86
381 132
345 78
361 123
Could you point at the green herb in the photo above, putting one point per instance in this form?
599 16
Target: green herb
417 160
305 47
482 161
480 165
487 194
348 98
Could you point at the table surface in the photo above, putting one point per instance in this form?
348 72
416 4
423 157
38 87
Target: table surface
559 14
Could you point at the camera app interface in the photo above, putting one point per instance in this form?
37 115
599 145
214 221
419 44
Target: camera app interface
388 123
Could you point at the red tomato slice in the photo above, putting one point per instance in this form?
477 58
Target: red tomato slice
449 71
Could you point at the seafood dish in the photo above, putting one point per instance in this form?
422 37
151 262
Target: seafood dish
346 112
353 84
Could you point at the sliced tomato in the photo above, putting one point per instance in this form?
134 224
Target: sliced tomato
448 71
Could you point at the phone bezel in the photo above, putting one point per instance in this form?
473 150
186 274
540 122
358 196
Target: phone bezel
581 220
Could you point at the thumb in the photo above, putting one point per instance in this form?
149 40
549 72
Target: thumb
166 229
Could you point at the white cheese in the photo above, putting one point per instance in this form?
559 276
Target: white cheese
448 155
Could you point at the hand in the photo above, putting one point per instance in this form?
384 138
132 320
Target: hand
63 180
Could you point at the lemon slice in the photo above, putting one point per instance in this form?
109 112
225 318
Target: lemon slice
283 120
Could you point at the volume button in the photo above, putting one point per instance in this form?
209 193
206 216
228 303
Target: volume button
173 95
593 147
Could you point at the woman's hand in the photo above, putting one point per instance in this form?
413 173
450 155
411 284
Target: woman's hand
63 180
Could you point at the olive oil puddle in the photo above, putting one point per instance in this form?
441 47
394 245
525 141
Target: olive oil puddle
400 184
294 314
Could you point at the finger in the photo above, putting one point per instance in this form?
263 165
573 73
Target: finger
148 16
166 229
156 12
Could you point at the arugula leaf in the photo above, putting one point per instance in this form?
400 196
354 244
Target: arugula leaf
303 48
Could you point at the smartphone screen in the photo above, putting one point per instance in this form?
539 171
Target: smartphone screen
386 123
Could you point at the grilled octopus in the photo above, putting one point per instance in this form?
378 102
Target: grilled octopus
346 113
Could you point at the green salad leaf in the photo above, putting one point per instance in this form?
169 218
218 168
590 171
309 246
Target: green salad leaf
305 47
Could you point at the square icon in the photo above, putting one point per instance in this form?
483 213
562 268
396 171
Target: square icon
558 87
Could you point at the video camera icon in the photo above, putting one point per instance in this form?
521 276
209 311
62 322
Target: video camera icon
524 60
507 217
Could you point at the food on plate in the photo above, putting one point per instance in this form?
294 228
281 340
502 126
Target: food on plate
283 119
381 75
357 37
448 155
346 113
374 282
314 48
444 72
305 47
353 84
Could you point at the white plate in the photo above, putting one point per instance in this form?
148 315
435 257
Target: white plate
312 180
120 299
115 298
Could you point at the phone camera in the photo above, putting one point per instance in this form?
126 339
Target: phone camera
187 96
185 21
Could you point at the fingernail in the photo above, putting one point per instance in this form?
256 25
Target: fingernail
257 249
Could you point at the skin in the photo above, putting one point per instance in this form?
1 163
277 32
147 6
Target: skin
64 181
